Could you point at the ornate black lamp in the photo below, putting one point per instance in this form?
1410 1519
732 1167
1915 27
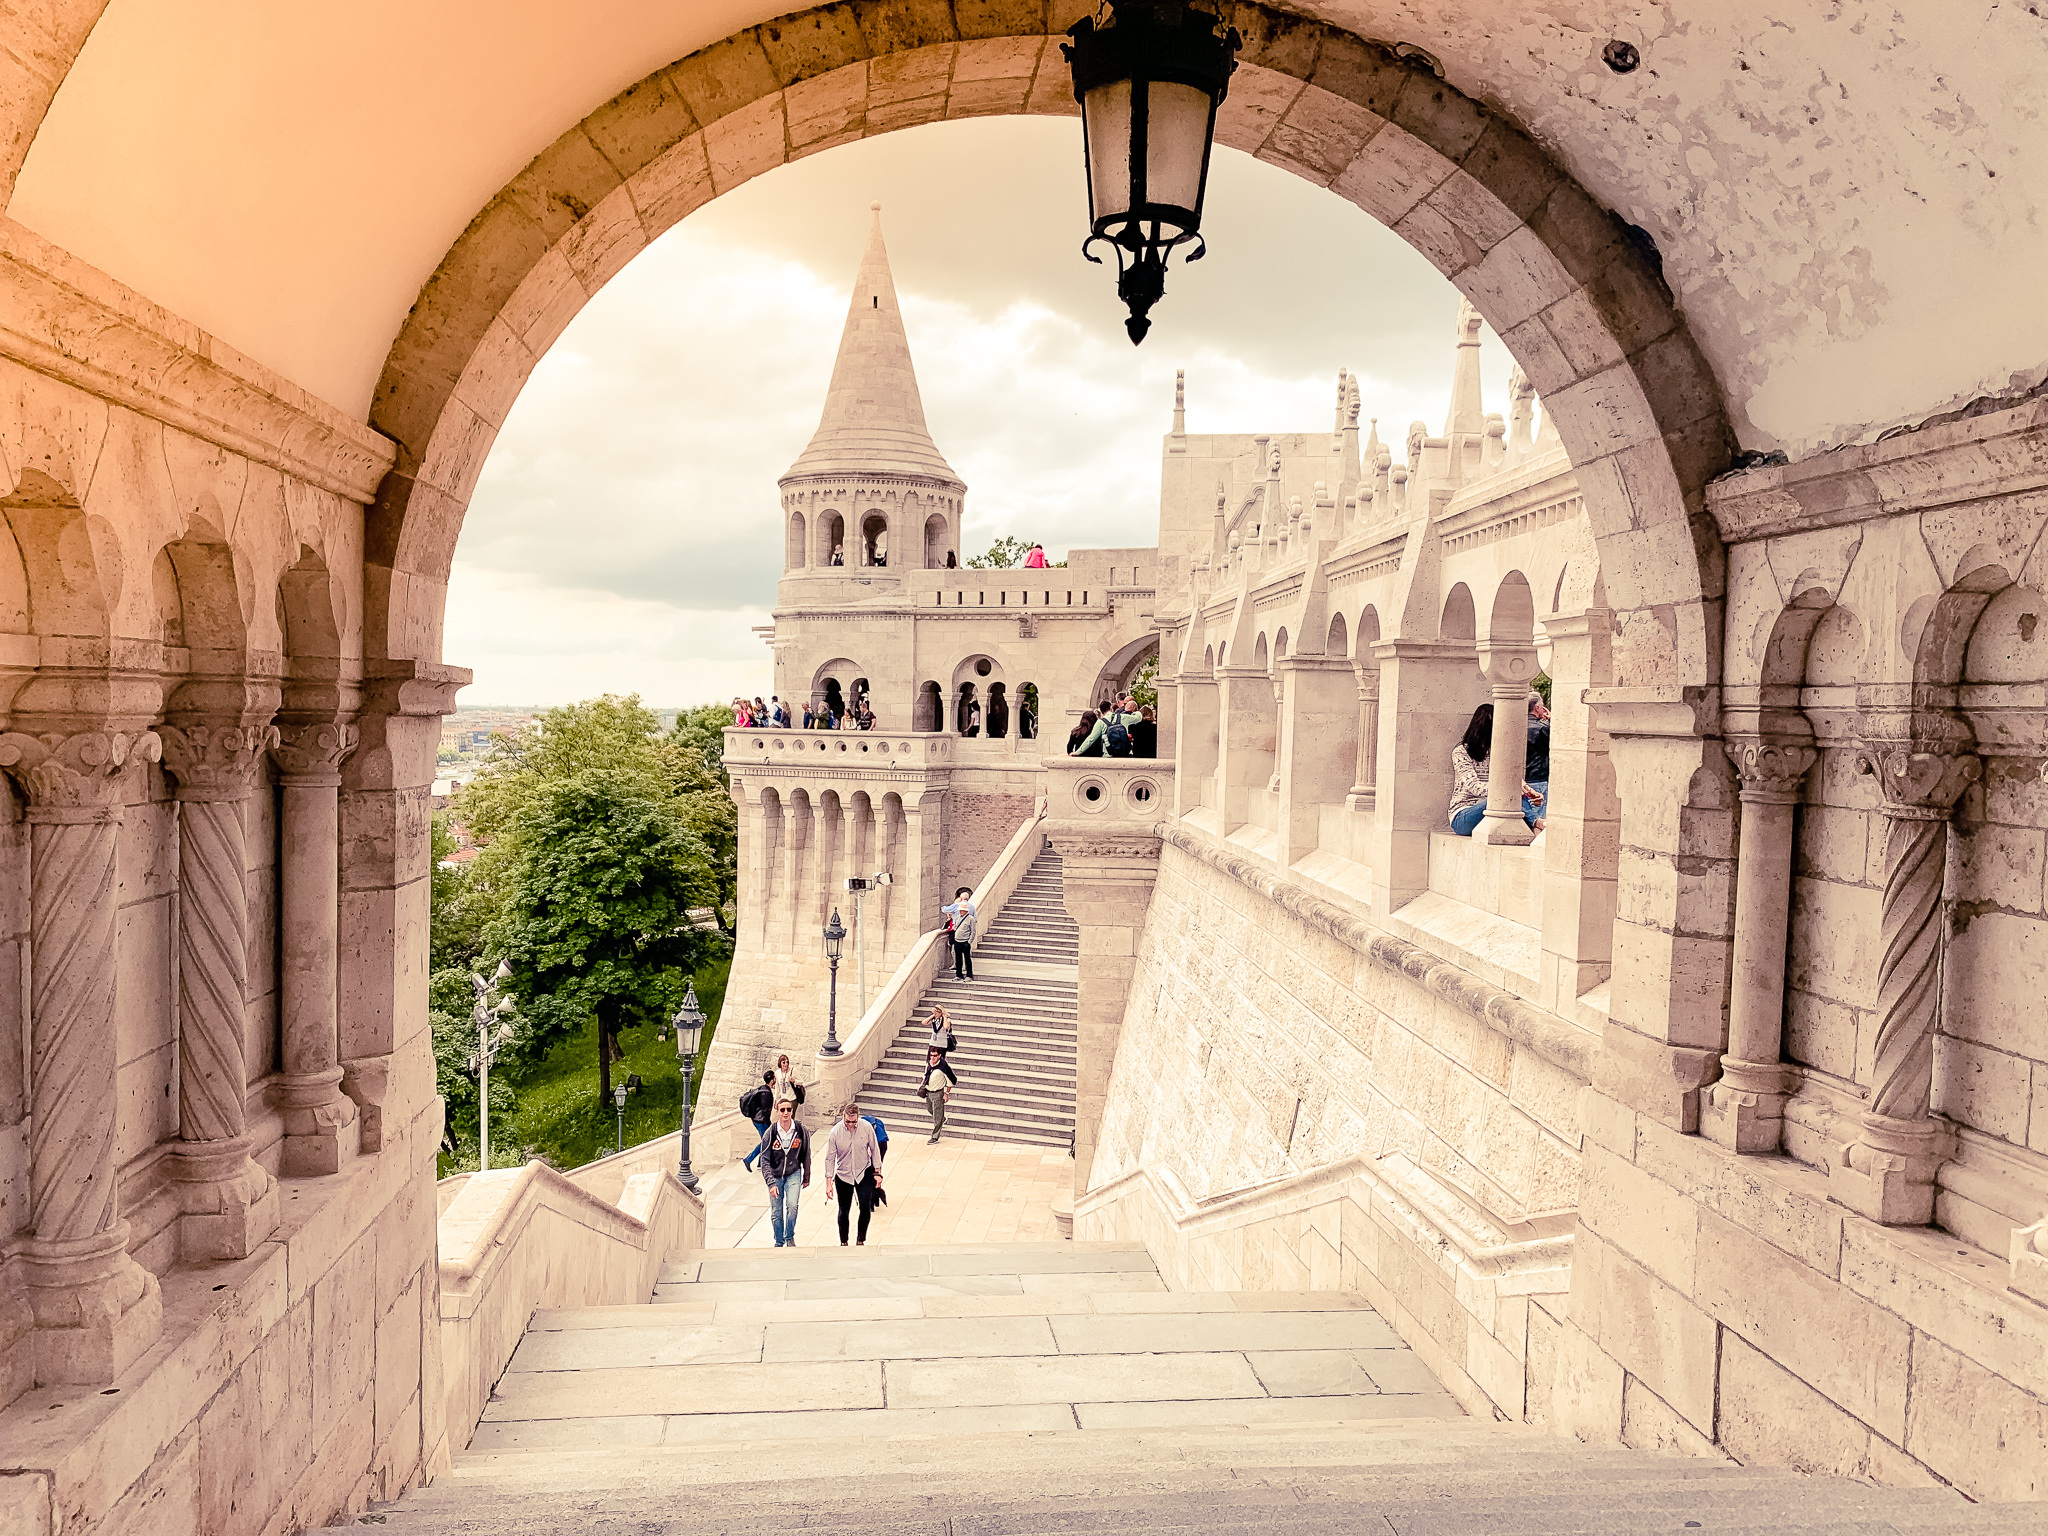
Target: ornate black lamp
835 941
1149 80
688 1021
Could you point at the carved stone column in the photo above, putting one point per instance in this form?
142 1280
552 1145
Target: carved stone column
230 1203
96 1309
1509 669
321 1129
1364 793
1888 1172
1745 1110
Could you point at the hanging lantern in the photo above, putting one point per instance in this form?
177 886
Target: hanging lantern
1149 80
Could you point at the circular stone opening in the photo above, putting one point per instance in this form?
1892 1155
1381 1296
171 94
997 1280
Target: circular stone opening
983 667
1093 792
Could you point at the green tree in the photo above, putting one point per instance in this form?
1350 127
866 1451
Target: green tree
1145 686
1007 552
595 917
454 928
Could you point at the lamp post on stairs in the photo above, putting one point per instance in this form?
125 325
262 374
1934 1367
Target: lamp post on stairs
835 940
688 1020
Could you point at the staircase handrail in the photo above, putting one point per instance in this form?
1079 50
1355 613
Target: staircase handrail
841 1077
514 1240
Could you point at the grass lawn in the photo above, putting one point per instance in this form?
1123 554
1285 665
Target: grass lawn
559 1117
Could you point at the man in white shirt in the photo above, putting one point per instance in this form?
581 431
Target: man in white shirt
853 1162
961 916
937 1088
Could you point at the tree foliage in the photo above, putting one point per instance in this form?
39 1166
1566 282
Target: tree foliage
598 834
1007 552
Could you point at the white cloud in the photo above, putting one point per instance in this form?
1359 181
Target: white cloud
625 532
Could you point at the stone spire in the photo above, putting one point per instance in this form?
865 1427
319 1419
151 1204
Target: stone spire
874 417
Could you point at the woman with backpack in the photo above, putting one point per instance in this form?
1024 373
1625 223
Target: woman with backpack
1112 729
785 1152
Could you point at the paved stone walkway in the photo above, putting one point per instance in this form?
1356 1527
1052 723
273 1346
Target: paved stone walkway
955 1192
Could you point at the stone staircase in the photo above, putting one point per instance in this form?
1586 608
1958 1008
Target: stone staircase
1015 1023
1052 1389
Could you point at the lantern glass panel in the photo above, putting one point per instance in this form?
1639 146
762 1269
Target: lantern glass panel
1176 138
1108 111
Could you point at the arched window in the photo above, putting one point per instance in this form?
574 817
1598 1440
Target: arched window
831 538
874 539
998 710
938 540
1027 713
967 711
798 552
930 711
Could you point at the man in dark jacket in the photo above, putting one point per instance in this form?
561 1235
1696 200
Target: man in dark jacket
786 1164
759 1107
1145 734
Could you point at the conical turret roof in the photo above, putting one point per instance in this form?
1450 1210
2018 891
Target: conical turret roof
874 417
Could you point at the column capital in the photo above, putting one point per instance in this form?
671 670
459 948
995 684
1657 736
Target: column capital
214 758
1508 665
310 752
1921 781
75 776
1769 770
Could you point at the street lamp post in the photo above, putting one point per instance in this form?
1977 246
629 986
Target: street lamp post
1149 83
619 1098
858 886
688 1020
835 940
488 1044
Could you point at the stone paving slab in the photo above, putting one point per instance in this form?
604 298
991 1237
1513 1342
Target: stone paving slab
1269 1410
1321 1331
670 1389
583 1349
1341 1372
870 1309
1069 1379
925 1338
1075 1284
920 1285
650 1315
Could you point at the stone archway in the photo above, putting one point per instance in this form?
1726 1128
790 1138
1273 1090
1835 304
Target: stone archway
1582 308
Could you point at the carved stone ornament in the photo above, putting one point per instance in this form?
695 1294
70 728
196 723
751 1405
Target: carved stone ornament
1921 785
314 751
215 761
76 772
1769 769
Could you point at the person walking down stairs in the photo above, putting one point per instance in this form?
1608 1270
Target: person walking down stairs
960 915
853 1162
939 1082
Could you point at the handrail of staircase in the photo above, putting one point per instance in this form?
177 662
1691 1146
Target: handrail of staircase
841 1077
514 1240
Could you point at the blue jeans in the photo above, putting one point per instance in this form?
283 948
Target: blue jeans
1463 822
783 1195
760 1130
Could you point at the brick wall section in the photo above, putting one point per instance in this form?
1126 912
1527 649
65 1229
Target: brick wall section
978 828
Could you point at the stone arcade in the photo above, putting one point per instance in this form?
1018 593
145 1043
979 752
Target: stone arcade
1718 1118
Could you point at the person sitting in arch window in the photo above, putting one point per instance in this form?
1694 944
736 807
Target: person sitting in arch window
838 555
951 563
970 719
1469 778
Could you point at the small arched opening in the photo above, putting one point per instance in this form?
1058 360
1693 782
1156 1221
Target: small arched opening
1027 712
967 711
927 714
938 541
998 710
874 540
831 538
798 550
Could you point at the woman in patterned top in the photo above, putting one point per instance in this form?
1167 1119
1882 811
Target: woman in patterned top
1468 778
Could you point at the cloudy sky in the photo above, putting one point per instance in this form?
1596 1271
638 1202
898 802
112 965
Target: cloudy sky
625 535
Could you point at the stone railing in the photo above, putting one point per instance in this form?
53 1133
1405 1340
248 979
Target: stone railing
1117 794
1451 1280
514 1240
778 751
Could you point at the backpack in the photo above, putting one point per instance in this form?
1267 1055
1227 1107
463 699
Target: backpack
1117 738
755 1105
881 1130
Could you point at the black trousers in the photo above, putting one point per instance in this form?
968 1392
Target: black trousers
963 961
865 1191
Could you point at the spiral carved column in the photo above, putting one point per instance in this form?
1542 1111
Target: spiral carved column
1364 789
95 1308
1745 1110
230 1203
1888 1171
321 1126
